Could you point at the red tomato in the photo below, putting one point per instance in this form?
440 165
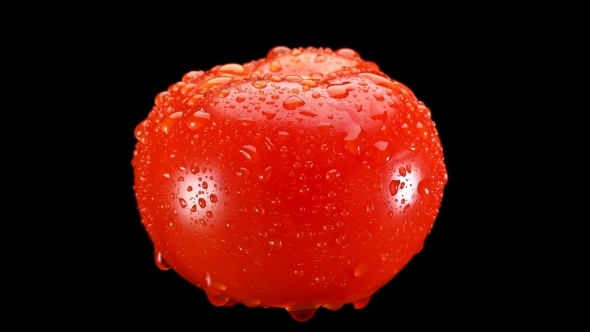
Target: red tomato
305 179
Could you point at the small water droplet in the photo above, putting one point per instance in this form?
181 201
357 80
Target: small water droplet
216 300
259 209
276 244
320 58
393 187
205 185
202 203
299 273
259 84
360 269
194 169
213 198
325 126
353 139
370 208
269 114
227 190
307 112
377 112
292 103
194 208
209 214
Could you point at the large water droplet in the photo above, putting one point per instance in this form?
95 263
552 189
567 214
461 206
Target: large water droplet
250 153
302 315
213 198
169 122
197 120
376 112
424 190
265 176
354 138
243 173
275 66
361 303
384 153
293 103
182 202
216 300
339 90
202 203
160 261
232 68
393 187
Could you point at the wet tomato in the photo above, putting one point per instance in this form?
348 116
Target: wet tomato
308 178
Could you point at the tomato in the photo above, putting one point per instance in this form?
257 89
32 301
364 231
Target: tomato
308 178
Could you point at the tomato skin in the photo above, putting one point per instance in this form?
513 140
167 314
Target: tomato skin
305 179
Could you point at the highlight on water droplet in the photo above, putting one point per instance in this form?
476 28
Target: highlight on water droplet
250 153
160 261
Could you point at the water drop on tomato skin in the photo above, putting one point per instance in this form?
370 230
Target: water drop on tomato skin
160 261
302 315
360 304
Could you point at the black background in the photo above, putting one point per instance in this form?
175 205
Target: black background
444 285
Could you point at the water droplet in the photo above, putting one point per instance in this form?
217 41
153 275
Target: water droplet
332 175
393 187
250 153
304 189
380 80
325 126
302 315
348 53
276 244
378 96
197 119
160 261
169 122
227 190
269 114
189 188
202 222
265 176
194 208
283 136
339 90
251 303
299 273
209 214
275 66
182 202
309 83
361 269
213 198
194 168
202 203
243 173
232 68
424 190
334 306
354 138
320 58
384 153
293 103
205 185
259 209
259 84
216 300
361 303
307 112
246 122
376 112
407 208
402 171
384 257
370 208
